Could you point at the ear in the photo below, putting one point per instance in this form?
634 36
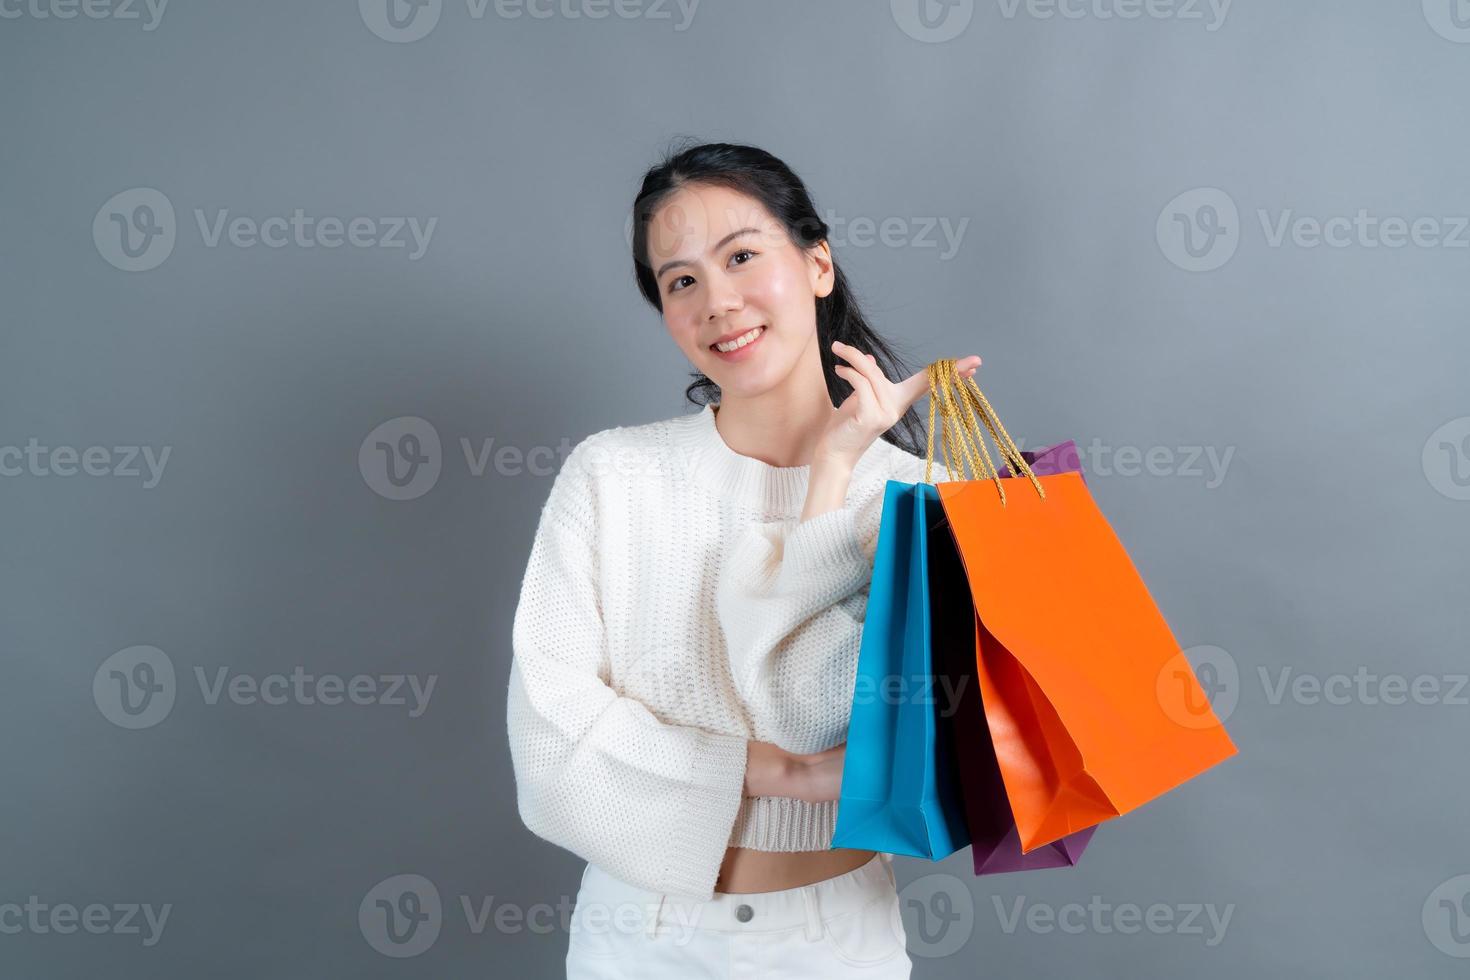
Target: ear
820 270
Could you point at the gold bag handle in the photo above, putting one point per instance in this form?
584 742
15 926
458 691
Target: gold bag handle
958 401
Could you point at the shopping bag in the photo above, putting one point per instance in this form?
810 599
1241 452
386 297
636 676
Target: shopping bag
899 789
995 843
1049 460
1091 705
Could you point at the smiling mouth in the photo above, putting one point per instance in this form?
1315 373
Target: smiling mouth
744 340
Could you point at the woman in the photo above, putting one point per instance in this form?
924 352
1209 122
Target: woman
686 638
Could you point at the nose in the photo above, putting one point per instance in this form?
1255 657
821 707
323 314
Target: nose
723 298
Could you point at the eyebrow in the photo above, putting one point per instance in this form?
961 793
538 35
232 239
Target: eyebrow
718 245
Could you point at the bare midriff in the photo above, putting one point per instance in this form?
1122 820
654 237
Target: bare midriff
744 871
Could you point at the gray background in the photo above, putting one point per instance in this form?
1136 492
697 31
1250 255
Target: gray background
1335 544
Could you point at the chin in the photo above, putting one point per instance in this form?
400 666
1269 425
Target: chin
736 382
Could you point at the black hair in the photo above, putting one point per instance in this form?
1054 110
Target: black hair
757 174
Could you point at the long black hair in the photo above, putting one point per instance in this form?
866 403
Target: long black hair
757 174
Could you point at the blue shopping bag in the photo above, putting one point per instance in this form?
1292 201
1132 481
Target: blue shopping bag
900 788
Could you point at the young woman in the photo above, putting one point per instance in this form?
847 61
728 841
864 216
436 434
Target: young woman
686 638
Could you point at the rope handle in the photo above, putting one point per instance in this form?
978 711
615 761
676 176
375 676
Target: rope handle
958 401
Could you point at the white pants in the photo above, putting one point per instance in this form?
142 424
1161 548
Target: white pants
847 926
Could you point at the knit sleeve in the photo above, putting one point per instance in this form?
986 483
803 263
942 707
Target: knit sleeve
596 773
790 602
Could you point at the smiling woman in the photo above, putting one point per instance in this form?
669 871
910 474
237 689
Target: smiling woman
686 643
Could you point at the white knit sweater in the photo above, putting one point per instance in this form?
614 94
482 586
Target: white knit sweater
673 607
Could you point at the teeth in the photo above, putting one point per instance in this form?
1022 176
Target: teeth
739 342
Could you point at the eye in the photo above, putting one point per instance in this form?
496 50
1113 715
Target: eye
674 286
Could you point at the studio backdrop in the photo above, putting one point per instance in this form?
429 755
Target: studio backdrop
302 307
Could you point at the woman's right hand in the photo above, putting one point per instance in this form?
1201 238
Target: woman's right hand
815 777
874 405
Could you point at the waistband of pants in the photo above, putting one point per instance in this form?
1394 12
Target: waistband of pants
750 912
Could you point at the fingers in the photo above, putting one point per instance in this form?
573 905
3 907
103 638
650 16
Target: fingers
916 385
911 389
867 366
862 388
866 363
883 392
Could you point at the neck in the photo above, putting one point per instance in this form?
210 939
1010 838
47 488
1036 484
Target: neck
780 427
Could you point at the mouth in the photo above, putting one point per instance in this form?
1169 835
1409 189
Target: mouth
739 347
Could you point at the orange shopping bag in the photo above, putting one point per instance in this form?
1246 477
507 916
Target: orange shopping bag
1093 708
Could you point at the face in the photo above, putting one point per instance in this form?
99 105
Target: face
725 266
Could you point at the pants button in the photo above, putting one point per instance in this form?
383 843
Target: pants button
744 912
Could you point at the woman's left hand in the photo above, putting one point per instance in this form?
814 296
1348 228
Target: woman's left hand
875 405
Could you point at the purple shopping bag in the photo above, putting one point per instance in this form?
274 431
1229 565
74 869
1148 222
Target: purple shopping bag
1050 460
995 844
